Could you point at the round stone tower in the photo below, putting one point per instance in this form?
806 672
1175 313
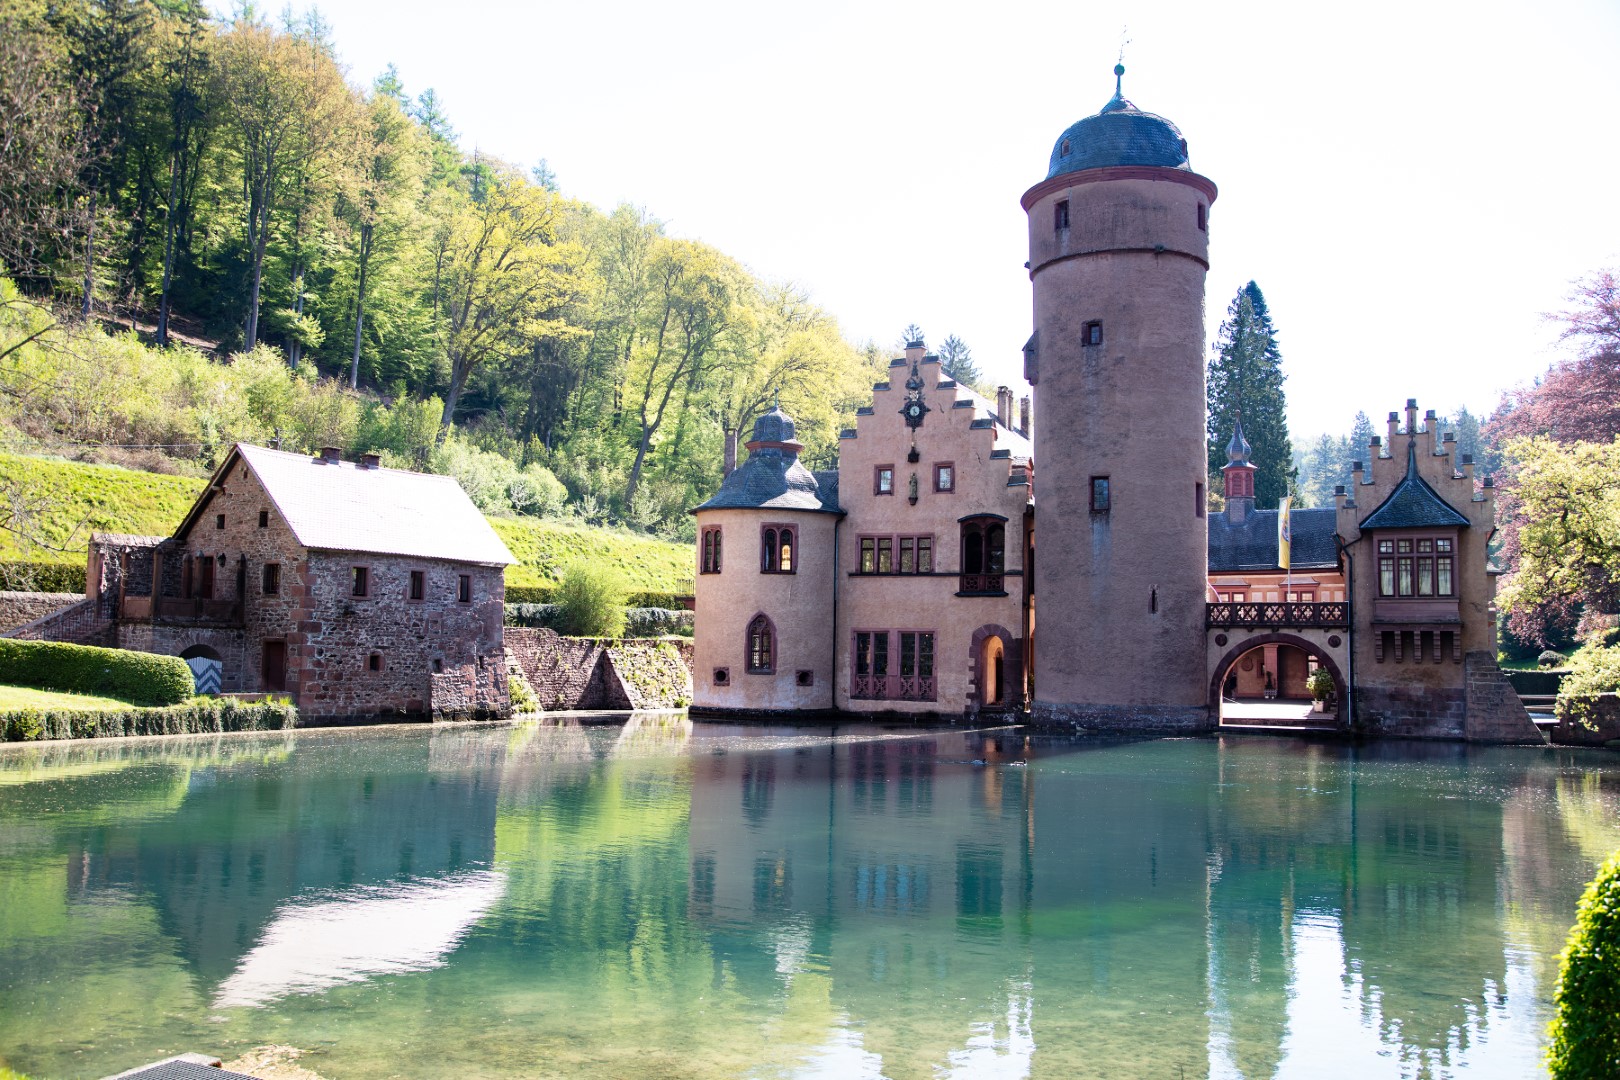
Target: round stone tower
1118 251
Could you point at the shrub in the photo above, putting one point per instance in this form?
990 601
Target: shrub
591 601
1320 684
1594 670
1584 1037
1549 659
198 716
535 616
524 699
142 678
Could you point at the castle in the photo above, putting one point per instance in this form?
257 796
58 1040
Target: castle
907 582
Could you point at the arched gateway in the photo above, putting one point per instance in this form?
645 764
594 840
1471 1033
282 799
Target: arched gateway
1279 662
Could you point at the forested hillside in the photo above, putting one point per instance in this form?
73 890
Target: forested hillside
284 252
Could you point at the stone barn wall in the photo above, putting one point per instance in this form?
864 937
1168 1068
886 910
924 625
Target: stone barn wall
17 608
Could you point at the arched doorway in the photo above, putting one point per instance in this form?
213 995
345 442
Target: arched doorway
207 668
1262 681
994 670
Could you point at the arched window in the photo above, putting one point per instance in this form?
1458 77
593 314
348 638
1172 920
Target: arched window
709 551
776 544
761 658
984 541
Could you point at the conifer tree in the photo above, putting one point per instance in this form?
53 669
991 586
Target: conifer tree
1246 378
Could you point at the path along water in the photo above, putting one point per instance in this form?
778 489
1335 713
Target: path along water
672 899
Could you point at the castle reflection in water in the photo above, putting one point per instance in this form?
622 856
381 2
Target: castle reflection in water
883 902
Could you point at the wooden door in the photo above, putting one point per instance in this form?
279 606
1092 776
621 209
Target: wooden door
274 668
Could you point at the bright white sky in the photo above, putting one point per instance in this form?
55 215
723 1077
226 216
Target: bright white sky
1413 183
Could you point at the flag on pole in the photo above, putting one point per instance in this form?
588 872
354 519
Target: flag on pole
1284 535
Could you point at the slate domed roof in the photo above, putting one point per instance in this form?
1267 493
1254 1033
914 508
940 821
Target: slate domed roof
1121 134
772 477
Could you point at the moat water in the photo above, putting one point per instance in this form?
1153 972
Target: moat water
667 899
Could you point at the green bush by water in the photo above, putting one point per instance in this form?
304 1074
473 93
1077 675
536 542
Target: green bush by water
590 601
1585 1034
141 678
200 716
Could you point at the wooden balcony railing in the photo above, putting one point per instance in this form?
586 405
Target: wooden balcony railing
197 609
1273 613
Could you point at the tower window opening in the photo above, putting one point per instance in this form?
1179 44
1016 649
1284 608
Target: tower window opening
1102 495
761 651
1198 500
1064 149
1060 215
1091 333
1203 218
1153 601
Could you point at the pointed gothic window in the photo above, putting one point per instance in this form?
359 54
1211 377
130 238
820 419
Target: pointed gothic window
761 658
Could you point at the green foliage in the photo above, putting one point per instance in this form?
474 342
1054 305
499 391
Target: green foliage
1584 1037
42 576
544 548
524 699
198 716
590 601
1593 670
1246 377
144 678
1320 684
657 622
1565 504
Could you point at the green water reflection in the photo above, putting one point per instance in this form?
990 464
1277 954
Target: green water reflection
663 899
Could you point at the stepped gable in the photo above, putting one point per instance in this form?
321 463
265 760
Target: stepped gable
335 505
1413 504
1252 543
771 477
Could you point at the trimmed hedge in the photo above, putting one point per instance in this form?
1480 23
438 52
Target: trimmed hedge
547 594
1584 1037
42 577
1535 682
200 716
142 678
639 622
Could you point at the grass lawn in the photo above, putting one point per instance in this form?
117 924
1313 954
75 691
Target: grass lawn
26 697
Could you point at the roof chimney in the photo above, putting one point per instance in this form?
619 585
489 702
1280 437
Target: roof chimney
371 461
331 455
1004 398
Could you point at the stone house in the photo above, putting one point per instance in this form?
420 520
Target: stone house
358 591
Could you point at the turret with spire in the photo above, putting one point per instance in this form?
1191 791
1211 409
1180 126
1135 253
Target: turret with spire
1238 476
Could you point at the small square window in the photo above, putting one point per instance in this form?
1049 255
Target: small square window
264 519
271 579
1060 215
1101 495
418 584
360 581
374 662
464 589
945 477
1091 333
219 521
883 480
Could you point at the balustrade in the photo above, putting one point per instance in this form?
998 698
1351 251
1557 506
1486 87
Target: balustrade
1335 613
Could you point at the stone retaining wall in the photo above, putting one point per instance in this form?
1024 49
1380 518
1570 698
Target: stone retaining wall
17 608
595 673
